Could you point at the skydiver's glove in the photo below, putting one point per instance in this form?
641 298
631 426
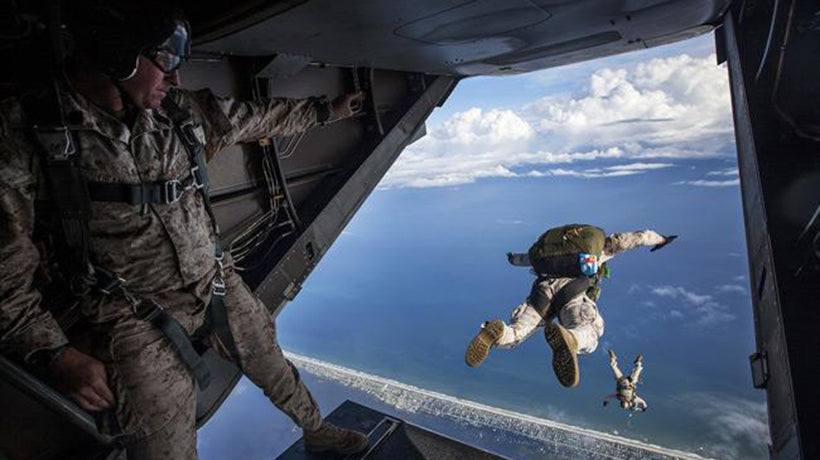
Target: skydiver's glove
668 239
605 403
510 257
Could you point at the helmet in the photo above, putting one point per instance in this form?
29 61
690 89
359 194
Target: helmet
111 35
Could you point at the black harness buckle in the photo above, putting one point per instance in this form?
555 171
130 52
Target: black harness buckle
108 282
148 310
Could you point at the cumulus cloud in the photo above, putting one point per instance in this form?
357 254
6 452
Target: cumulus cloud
648 110
708 311
736 423
671 108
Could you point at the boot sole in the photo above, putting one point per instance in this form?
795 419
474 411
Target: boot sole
479 348
564 361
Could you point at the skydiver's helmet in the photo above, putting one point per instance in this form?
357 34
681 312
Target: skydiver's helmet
111 36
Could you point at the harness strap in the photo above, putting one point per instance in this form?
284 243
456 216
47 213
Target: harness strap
549 308
150 311
218 316
147 192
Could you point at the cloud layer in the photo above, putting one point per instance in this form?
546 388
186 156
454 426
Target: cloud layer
707 310
670 108
737 423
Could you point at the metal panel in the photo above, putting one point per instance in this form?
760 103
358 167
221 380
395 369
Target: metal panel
285 280
460 37
778 170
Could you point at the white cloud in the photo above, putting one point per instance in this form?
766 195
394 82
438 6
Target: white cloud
241 387
707 311
736 288
710 183
675 108
724 172
736 423
639 167
589 174
610 171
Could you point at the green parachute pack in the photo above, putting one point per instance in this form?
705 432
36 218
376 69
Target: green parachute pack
568 251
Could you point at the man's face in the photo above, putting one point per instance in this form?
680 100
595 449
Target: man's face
626 404
149 85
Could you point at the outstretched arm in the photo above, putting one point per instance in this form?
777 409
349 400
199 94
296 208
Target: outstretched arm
613 364
227 121
640 403
610 398
620 242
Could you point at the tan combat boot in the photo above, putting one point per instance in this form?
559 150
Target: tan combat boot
564 354
329 437
479 348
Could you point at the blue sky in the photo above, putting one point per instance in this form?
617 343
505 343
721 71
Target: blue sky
630 142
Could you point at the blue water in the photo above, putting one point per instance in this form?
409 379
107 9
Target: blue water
406 286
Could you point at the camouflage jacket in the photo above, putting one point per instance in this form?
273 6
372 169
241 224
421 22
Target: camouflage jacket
156 248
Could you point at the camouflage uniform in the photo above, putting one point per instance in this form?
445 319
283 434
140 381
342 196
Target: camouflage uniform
580 315
626 386
163 251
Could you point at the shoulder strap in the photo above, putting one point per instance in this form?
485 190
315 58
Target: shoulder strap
184 126
66 183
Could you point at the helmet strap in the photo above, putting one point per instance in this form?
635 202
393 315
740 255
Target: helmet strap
129 108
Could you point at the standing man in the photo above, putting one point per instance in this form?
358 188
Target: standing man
122 204
569 261
626 386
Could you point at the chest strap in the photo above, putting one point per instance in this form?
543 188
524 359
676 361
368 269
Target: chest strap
147 192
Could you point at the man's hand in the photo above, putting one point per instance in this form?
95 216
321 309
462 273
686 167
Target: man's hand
666 240
83 379
346 105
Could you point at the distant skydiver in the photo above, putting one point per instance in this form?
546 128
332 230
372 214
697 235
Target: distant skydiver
570 262
626 386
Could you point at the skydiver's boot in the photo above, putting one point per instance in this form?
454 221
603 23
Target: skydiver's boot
329 437
564 354
479 348
639 359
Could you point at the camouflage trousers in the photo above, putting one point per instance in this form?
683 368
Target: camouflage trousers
155 392
579 316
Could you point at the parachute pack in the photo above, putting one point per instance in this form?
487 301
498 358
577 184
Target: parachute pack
569 251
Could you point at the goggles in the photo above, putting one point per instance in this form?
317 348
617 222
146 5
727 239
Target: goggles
169 55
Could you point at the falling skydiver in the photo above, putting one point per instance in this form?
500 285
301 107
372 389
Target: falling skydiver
569 261
626 385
